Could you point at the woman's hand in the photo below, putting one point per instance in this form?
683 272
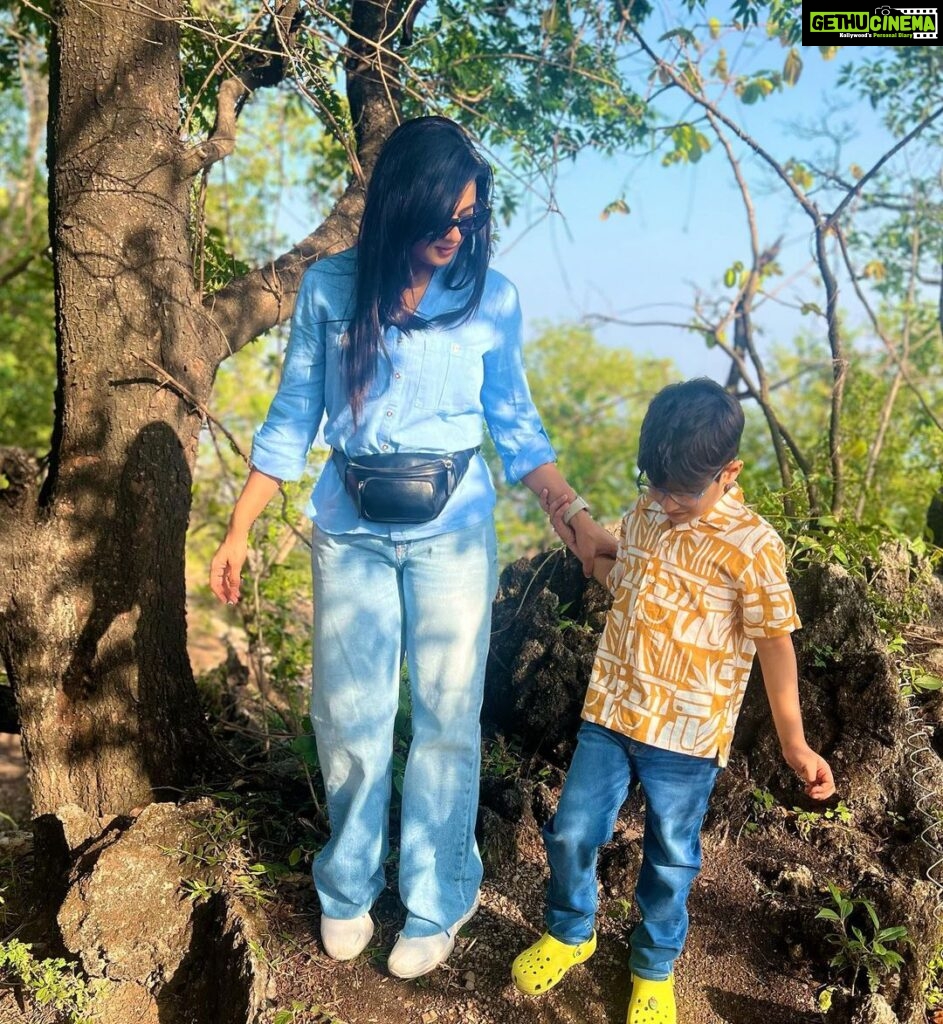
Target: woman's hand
582 535
555 510
226 568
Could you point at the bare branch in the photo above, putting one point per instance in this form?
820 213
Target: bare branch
702 101
881 333
839 368
251 305
167 380
260 70
21 266
865 178
874 451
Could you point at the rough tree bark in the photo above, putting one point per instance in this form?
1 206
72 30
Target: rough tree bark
92 598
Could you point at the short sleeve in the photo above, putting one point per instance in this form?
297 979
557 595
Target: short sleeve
767 604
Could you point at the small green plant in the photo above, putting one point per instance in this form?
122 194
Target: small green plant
858 952
933 985
500 759
807 821
823 655
916 683
218 859
52 983
564 622
762 806
621 909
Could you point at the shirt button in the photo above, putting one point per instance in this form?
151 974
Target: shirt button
397 375
389 412
385 447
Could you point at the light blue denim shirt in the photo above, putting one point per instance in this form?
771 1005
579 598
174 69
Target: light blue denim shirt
432 392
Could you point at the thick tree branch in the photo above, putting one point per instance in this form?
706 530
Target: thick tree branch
251 305
264 67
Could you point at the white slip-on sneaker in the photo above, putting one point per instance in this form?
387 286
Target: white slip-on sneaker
345 939
411 958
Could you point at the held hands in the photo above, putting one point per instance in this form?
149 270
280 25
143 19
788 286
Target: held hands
226 567
813 771
585 538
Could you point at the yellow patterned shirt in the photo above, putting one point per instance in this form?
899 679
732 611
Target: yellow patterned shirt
688 601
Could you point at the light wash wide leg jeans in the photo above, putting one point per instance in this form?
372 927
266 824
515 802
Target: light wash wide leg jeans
374 602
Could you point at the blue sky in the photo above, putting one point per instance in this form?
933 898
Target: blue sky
686 224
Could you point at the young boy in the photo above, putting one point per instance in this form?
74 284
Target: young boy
698 583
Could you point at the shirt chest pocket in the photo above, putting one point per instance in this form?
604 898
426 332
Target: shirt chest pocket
450 375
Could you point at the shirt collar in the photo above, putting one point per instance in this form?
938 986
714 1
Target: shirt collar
716 517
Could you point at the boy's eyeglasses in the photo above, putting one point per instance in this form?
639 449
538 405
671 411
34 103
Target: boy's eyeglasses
683 499
466 225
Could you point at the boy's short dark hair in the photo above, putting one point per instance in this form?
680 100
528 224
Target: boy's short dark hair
691 431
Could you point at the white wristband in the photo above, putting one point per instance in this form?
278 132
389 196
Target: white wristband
576 505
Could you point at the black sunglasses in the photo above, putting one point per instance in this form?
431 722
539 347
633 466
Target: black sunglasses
466 225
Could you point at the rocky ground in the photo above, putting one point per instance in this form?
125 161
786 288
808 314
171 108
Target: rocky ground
757 952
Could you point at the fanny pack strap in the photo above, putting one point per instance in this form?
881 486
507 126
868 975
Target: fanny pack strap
459 460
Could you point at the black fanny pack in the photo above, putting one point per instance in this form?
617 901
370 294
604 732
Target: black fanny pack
410 487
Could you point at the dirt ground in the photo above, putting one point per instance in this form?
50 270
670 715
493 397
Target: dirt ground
730 972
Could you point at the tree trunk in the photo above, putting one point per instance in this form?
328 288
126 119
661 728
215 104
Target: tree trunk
92 594
93 630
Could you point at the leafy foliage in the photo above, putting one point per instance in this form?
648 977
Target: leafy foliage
863 945
52 982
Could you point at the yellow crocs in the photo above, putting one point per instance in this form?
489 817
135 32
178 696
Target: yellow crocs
542 965
652 1002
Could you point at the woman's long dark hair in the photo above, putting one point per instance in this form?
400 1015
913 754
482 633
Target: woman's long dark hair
419 176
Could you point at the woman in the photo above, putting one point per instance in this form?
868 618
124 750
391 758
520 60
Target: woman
407 344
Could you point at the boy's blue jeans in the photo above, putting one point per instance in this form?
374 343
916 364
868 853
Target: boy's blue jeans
605 766
374 601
